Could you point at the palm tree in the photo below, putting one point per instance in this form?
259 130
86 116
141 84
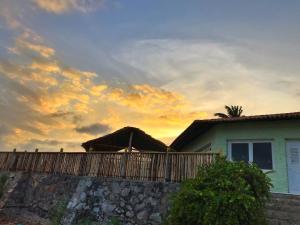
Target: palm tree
232 111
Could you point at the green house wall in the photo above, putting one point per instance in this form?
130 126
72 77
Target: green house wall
278 132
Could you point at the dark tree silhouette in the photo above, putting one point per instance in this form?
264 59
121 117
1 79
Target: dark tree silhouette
232 111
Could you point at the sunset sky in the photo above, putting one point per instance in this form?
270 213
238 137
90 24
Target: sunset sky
72 70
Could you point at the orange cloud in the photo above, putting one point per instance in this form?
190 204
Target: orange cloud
74 74
61 6
146 98
24 74
97 90
22 45
45 66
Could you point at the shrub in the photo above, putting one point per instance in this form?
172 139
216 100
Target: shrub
231 193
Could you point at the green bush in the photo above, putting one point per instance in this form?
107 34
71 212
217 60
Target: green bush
224 193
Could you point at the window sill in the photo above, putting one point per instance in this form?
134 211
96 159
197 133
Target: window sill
269 171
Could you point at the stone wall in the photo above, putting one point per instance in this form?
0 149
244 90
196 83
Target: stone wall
98 201
35 195
135 203
95 200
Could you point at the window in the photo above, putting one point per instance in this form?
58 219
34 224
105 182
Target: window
258 152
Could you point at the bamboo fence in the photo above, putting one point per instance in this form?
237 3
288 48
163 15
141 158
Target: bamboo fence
145 166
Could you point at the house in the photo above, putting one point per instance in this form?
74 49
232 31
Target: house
271 141
127 138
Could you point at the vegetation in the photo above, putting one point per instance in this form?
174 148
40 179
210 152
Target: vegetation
232 111
231 193
3 180
85 221
57 212
114 221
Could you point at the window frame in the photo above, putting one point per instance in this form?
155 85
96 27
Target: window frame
250 147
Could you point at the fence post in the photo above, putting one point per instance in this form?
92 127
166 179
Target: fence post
124 164
83 164
167 167
13 163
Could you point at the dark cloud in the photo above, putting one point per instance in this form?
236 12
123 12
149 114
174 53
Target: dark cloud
67 115
60 114
93 129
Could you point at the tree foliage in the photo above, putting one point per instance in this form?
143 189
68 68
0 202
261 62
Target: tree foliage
232 111
224 193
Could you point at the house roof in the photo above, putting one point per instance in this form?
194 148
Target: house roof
120 139
199 127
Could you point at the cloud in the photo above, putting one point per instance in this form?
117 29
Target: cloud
51 100
97 90
210 74
62 6
146 98
23 46
10 14
44 144
25 74
47 97
93 129
4 130
61 114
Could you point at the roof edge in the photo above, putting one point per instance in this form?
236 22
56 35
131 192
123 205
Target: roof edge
177 144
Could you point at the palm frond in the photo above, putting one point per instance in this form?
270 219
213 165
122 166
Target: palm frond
232 111
221 115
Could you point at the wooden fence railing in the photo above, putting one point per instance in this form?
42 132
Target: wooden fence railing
173 167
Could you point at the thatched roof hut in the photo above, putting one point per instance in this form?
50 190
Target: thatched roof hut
126 138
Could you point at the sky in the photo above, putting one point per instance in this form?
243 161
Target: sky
74 70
